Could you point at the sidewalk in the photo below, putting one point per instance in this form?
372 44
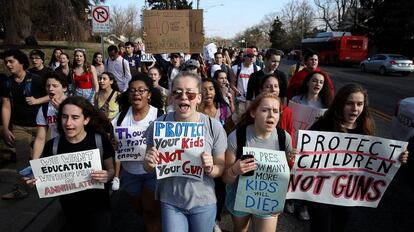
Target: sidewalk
30 214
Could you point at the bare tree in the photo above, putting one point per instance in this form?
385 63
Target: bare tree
126 21
333 12
298 20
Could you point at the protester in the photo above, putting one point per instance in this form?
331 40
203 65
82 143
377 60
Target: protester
222 81
348 113
66 70
240 82
314 91
271 61
118 66
78 123
84 76
37 59
155 74
55 58
139 184
258 124
22 94
270 83
97 62
105 99
311 63
56 87
214 105
188 204
134 60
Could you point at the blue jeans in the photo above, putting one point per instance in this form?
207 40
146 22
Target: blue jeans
199 219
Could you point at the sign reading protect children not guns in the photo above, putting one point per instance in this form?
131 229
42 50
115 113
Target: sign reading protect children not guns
343 169
179 145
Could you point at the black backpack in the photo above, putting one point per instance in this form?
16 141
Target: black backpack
239 70
241 139
123 113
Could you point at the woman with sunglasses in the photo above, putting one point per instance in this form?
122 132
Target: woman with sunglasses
259 125
84 76
188 203
138 184
348 113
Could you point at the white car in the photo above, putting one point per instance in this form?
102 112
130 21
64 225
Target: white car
402 124
387 63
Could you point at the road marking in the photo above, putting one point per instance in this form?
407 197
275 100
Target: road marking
381 115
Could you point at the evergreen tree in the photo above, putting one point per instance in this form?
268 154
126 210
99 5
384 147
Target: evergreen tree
277 35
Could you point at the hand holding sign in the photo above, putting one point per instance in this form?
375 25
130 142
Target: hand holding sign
100 176
404 157
151 158
244 166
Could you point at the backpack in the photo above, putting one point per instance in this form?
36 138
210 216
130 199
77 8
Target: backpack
239 70
98 141
105 107
241 139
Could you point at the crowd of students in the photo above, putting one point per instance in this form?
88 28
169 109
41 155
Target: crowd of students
234 98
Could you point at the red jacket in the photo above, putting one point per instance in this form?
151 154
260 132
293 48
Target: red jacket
296 81
286 121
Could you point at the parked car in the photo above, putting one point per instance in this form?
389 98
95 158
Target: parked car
387 63
402 123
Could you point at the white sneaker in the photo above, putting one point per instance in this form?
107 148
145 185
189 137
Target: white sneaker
115 183
216 228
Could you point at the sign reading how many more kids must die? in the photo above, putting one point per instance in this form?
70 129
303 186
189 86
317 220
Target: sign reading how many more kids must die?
179 145
343 169
131 143
66 173
265 191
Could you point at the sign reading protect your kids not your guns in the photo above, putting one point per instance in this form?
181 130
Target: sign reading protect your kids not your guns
66 173
179 145
343 169
265 191
131 143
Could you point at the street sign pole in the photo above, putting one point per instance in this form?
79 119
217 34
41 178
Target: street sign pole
102 48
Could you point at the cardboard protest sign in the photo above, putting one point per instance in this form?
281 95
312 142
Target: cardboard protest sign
265 191
180 145
66 173
131 143
343 169
147 57
303 116
171 31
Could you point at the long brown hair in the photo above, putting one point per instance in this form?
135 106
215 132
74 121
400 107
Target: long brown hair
334 116
246 118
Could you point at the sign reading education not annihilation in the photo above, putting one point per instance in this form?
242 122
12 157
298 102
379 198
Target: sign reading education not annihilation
179 145
66 173
171 31
343 169
131 143
265 191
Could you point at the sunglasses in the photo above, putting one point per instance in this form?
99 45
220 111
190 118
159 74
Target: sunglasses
79 50
178 93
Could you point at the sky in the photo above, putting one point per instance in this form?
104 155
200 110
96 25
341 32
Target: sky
225 18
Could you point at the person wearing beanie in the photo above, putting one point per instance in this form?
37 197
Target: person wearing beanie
37 59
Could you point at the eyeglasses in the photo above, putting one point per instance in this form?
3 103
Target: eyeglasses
140 91
178 93
35 58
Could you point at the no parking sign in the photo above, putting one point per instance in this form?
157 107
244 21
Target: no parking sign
100 19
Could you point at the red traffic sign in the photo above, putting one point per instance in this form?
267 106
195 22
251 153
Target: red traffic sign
100 14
